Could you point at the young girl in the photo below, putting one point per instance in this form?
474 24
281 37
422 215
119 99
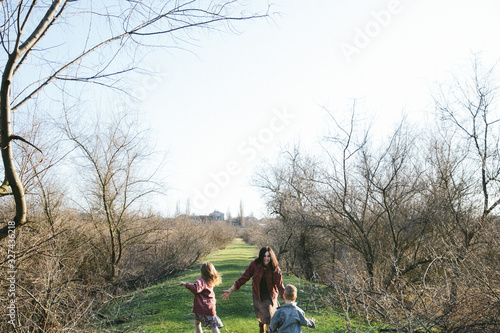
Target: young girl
204 298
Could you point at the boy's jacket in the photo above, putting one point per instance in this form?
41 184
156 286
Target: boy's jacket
289 318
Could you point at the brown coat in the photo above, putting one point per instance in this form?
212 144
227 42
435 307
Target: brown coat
255 272
204 297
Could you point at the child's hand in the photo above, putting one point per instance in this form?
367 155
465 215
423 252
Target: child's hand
182 283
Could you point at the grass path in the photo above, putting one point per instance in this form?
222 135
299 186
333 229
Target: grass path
166 307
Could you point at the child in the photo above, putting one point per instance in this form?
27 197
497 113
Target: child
204 298
289 318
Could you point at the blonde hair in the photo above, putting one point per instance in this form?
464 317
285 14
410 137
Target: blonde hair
210 274
290 292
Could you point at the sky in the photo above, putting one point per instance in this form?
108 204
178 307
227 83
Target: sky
228 101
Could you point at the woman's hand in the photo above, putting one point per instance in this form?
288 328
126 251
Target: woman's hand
226 294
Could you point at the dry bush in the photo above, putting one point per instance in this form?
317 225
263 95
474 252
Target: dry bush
469 298
6 210
220 234
53 293
423 301
255 233
174 246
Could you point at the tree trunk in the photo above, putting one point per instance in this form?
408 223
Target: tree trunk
11 174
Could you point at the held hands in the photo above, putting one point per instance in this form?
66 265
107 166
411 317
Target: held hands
182 283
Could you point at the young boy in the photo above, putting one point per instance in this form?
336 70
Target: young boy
289 318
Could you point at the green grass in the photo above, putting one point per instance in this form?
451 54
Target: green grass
166 307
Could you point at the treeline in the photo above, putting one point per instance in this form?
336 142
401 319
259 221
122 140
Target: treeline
404 229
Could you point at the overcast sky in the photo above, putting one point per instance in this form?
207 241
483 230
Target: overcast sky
230 100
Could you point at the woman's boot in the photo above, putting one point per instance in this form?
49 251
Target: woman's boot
261 328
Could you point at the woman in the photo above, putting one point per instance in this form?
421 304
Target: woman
266 285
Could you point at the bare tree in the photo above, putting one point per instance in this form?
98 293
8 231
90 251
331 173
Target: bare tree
470 111
118 181
467 185
347 189
292 193
241 214
49 46
396 175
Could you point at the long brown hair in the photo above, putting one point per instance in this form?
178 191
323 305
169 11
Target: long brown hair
274 262
210 274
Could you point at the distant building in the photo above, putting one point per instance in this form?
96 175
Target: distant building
216 215
242 222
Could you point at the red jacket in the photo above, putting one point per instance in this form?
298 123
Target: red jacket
204 297
256 271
